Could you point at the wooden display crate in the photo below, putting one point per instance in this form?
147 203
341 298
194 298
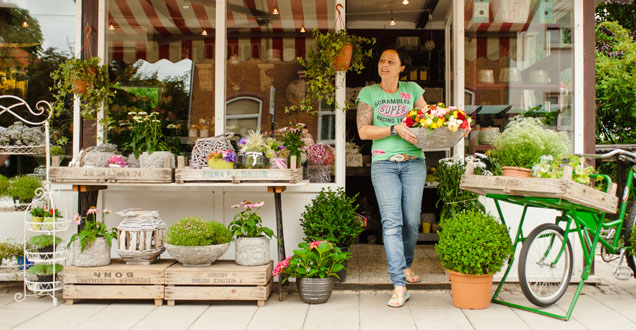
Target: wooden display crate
223 280
116 281
110 175
238 175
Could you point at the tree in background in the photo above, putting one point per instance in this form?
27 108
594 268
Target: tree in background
621 11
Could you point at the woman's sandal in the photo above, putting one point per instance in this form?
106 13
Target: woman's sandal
411 277
398 299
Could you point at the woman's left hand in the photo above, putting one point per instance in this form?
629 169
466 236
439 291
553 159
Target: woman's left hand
404 133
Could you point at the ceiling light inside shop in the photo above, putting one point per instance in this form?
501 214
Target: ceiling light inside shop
302 29
111 27
25 24
204 33
405 2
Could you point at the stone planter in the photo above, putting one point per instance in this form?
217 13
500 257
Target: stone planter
94 255
251 251
197 255
315 290
157 159
96 158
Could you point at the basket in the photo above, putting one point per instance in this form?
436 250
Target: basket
205 146
437 139
140 236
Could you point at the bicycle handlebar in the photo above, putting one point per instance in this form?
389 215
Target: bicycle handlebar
630 156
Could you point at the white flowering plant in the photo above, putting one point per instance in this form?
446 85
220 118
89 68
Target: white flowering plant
146 133
453 200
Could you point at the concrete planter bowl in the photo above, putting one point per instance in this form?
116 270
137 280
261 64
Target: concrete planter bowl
195 256
251 251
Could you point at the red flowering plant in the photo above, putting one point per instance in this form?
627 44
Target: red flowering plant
318 259
438 115
320 154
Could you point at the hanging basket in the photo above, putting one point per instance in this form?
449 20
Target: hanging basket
343 60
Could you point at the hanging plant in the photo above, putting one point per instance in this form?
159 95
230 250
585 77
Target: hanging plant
86 78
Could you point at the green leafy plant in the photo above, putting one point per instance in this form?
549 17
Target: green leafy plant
332 216
192 231
42 241
247 223
318 259
319 66
292 140
23 188
44 269
452 199
39 212
473 243
93 229
525 140
11 248
57 151
85 77
548 167
4 185
146 134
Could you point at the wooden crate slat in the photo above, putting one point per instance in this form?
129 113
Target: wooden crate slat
540 187
221 272
112 175
238 175
260 293
72 291
118 273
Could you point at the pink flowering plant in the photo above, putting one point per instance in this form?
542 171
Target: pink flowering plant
247 223
116 161
317 259
320 154
92 228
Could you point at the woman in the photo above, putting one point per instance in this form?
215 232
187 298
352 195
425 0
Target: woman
398 170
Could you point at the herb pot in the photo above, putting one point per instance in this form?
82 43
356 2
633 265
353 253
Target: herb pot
470 291
315 290
94 255
196 256
251 251
519 172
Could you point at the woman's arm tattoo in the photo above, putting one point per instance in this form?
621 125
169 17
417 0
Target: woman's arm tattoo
364 115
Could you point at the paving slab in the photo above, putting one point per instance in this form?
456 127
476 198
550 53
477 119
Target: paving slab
375 314
120 315
288 314
180 316
226 316
340 312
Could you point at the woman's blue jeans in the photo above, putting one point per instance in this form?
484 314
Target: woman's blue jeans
398 188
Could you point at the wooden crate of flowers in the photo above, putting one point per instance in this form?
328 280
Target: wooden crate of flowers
223 280
116 281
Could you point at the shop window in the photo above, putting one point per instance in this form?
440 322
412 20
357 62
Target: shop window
243 114
326 124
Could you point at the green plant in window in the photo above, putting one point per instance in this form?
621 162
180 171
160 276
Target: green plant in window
23 188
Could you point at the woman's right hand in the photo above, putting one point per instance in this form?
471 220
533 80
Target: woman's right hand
404 133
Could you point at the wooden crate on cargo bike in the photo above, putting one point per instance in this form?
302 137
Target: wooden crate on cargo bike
116 281
223 280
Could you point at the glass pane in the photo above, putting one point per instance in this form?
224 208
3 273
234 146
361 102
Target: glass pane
518 60
242 126
35 37
162 55
327 128
243 107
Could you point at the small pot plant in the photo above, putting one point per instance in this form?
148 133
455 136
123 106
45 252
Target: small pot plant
320 67
44 273
22 188
252 238
315 265
91 246
37 217
472 247
46 245
86 78
194 242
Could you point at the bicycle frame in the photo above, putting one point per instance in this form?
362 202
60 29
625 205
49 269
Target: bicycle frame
585 221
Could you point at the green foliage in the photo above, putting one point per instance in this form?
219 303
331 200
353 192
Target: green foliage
473 243
549 168
621 11
11 248
319 68
23 187
93 229
4 185
39 212
247 223
525 140
89 72
57 151
332 216
44 269
615 84
292 140
452 199
317 259
546 116
41 241
146 134
192 231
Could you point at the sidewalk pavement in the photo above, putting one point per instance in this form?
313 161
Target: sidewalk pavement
611 304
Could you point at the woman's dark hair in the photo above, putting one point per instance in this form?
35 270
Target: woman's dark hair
405 59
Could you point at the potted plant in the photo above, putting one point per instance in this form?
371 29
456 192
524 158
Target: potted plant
320 156
221 159
91 246
194 242
293 142
277 153
22 188
252 151
252 238
320 69
37 217
51 216
315 265
86 78
524 141
57 153
472 247
46 245
451 199
147 140
13 252
332 216
44 273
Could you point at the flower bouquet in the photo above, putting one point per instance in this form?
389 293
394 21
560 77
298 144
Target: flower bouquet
437 127
221 160
320 156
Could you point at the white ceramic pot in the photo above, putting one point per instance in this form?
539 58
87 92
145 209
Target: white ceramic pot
251 251
197 255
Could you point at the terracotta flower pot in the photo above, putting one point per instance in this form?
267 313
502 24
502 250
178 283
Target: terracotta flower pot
342 61
470 291
519 172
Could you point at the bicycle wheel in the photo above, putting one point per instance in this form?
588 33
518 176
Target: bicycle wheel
628 227
543 281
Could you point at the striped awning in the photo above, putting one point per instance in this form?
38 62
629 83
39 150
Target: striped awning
174 29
